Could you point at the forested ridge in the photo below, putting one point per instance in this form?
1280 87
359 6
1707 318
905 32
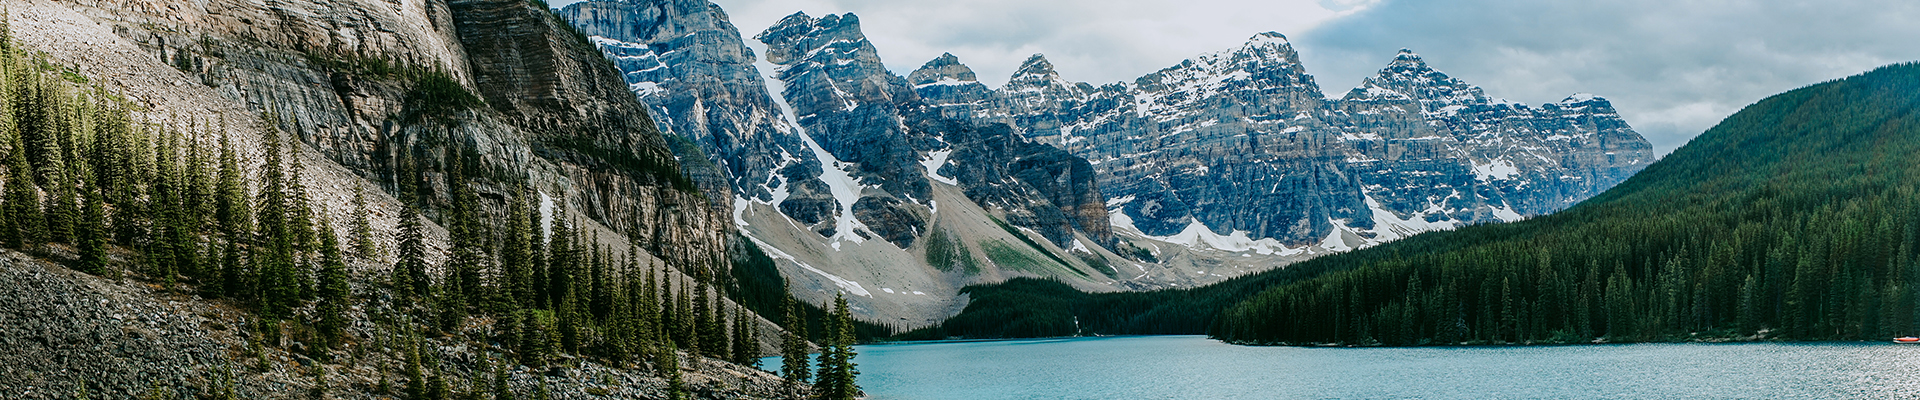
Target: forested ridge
93 183
1792 219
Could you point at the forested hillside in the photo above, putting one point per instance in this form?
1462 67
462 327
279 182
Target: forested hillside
95 181
1795 218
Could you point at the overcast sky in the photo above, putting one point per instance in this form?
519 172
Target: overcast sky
1672 67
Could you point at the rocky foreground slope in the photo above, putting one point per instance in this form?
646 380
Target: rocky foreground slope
550 122
64 330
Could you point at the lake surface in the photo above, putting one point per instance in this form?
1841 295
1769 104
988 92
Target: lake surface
1193 367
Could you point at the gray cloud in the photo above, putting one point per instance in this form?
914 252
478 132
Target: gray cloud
1672 67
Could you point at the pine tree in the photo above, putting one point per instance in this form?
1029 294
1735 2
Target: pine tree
334 293
744 346
836 372
670 364
500 374
92 237
416 381
410 270
684 320
537 257
25 226
793 346
561 257
233 211
362 230
600 283
514 260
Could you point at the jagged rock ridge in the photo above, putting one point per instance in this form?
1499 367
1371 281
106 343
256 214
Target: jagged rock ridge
1244 142
848 153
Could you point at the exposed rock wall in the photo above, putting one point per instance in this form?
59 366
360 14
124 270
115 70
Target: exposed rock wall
1244 141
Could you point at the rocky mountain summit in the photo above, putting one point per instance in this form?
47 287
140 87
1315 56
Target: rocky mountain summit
1244 142
1227 163
842 171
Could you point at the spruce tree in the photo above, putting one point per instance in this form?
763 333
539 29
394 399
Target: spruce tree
513 256
837 373
649 309
793 346
501 391
684 320
561 257
704 320
334 295
362 230
233 209
410 268
25 226
569 322
741 353
601 301
62 210
537 257
416 381
669 362
92 237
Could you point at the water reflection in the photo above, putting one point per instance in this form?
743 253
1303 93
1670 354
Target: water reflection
1192 367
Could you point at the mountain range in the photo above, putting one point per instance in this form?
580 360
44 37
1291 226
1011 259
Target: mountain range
901 190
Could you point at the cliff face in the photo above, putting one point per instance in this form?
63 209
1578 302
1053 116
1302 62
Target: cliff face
819 137
1243 142
343 77
367 88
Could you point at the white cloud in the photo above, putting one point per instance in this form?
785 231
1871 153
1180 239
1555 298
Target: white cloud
1093 41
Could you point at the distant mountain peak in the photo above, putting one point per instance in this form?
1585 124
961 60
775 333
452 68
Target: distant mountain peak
943 70
1036 65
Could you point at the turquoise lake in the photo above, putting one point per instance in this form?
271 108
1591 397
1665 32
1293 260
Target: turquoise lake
1194 367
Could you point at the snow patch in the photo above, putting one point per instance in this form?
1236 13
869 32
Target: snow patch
1505 213
844 187
1497 170
933 162
847 285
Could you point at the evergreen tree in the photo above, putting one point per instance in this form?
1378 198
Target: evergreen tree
416 381
793 346
670 364
837 373
703 320
61 210
537 258
514 257
601 285
233 211
744 346
362 230
334 295
24 226
92 237
683 318
500 374
410 269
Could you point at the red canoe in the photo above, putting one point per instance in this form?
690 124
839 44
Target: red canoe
1907 340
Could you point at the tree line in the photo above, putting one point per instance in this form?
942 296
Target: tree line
92 183
1795 218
